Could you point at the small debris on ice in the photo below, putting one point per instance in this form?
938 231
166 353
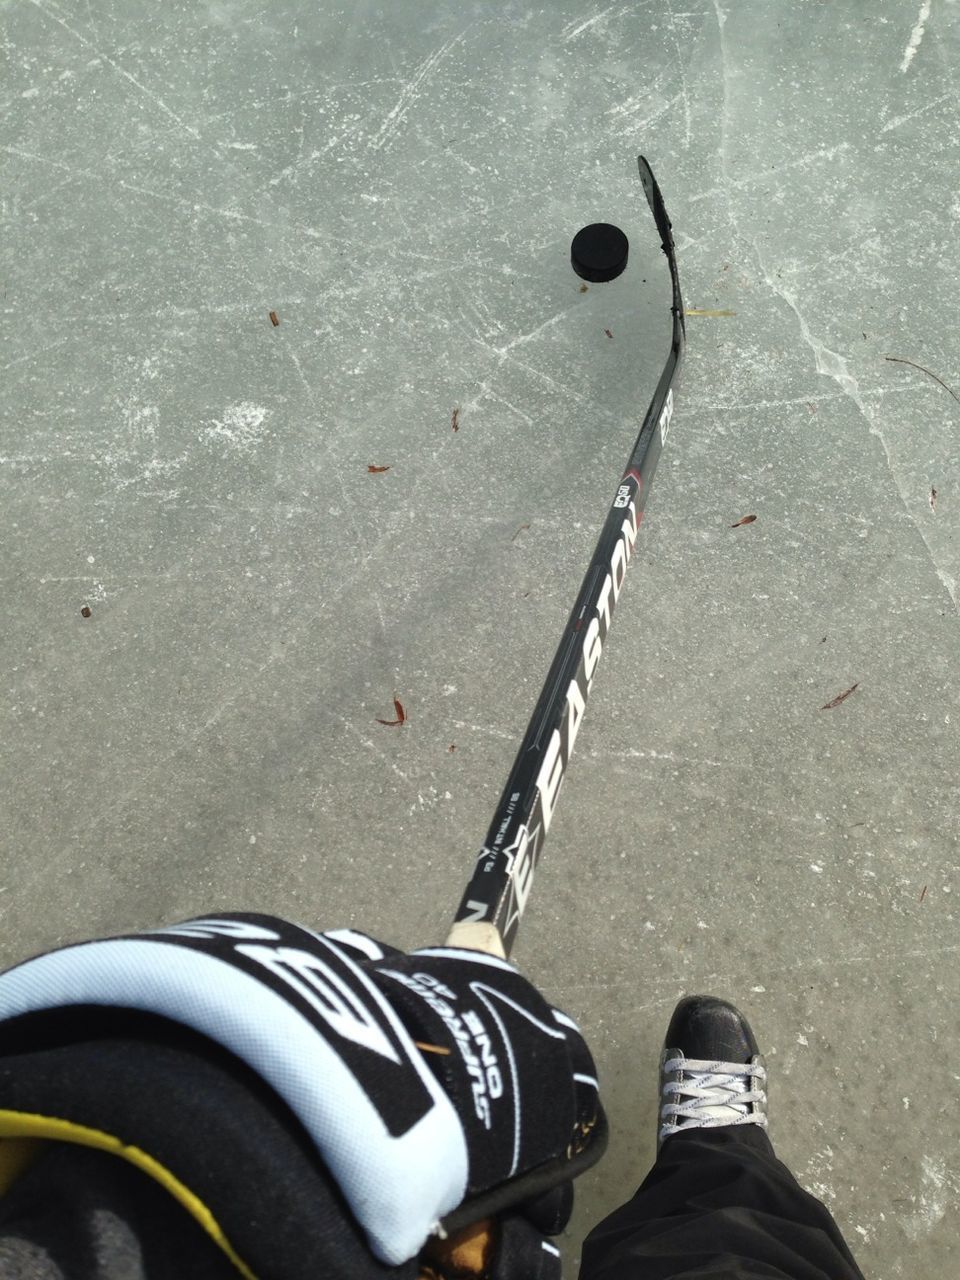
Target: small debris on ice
841 697
923 369
401 715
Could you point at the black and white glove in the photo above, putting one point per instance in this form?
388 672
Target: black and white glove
321 1103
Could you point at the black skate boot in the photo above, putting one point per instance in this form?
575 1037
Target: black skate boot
711 1072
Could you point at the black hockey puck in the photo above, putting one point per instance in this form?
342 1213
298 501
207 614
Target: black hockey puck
599 252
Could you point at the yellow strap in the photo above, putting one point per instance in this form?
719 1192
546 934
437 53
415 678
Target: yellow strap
21 1125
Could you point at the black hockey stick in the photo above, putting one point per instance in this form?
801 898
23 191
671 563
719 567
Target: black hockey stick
496 896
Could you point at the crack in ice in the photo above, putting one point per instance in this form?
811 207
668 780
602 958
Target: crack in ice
832 365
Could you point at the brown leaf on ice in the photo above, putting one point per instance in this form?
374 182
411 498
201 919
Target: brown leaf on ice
401 715
841 697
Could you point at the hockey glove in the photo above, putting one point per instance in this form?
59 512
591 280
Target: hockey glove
321 1103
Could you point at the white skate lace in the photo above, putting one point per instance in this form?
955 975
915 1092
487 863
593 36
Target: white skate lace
712 1094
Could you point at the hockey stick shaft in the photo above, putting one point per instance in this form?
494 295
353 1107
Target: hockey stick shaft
497 893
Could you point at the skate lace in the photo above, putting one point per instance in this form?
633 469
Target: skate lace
711 1094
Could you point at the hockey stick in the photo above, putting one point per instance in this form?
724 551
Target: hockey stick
496 896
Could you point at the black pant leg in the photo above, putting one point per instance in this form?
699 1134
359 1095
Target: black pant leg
719 1205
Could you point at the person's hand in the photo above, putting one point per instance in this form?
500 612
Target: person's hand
331 1105
524 1088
